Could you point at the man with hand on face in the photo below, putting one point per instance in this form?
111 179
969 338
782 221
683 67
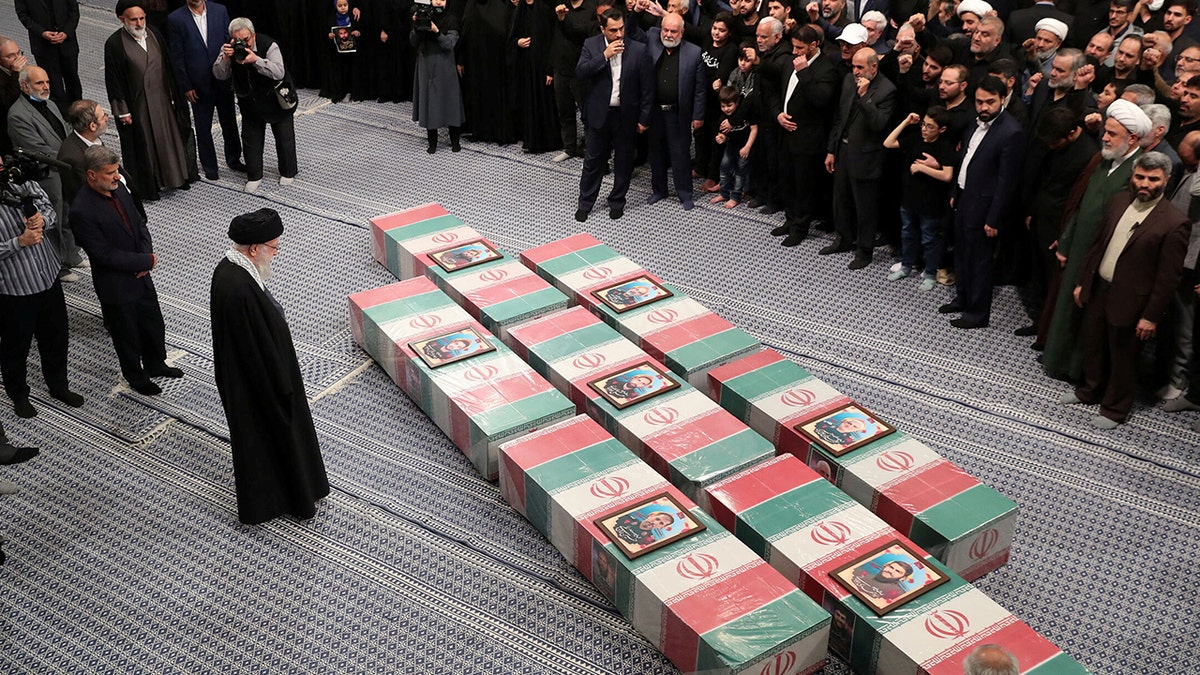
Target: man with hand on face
12 60
1125 287
118 242
855 157
151 115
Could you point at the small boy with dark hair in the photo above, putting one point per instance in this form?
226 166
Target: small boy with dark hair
736 133
930 160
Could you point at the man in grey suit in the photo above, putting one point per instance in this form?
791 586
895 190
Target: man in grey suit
855 157
36 126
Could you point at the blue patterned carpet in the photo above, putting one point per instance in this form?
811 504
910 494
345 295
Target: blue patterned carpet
125 554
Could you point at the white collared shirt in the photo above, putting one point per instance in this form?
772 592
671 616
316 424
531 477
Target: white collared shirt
795 80
614 66
201 20
972 146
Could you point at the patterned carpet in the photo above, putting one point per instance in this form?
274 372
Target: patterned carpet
125 554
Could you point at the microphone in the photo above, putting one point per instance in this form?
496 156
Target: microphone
42 158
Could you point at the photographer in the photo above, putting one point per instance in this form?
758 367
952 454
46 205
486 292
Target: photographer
437 99
255 65
31 296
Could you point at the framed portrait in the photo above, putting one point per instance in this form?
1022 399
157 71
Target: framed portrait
465 255
456 345
629 386
844 429
344 40
631 294
648 525
888 577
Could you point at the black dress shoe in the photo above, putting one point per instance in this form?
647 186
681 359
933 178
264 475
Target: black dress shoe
949 308
823 225
1026 331
754 203
69 397
581 215
794 238
165 371
236 165
187 185
20 455
770 209
967 323
860 261
145 387
212 175
24 408
836 247
781 230
615 213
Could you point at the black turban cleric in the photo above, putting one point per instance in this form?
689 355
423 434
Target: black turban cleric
257 227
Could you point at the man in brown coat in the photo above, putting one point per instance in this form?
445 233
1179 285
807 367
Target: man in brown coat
1125 287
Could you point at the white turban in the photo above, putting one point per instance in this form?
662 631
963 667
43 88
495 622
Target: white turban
1058 28
1131 117
977 7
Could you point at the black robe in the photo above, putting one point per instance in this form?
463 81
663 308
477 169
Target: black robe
481 46
537 113
277 465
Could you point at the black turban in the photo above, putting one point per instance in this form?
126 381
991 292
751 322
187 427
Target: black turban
123 5
258 227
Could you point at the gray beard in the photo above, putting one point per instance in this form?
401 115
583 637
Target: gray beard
137 33
1116 152
264 269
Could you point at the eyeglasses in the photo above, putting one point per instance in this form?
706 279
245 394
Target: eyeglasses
273 248
1189 59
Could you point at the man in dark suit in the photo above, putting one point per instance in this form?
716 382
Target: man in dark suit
988 175
615 115
51 25
1126 285
855 156
118 243
804 113
680 93
12 60
195 35
88 122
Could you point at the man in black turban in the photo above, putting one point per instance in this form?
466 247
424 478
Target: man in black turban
277 465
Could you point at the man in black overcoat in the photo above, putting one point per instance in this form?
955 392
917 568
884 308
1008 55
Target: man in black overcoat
277 465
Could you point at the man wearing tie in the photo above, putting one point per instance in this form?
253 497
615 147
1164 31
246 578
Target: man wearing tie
195 35
619 77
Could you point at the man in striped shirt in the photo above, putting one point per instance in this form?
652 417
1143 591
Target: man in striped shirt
31 296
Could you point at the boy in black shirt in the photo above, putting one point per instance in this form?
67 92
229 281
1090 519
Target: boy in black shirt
930 161
736 134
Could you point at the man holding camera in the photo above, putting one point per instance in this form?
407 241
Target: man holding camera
31 296
255 65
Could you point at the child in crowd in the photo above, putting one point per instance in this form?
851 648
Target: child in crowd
437 99
745 80
926 197
736 134
342 31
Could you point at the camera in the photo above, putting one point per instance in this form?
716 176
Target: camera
21 168
241 49
423 16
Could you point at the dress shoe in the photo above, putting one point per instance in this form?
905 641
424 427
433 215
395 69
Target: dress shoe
860 261
236 165
794 238
836 247
212 175
754 203
770 209
1179 405
655 198
687 204
69 397
165 371
1026 331
20 455
145 387
781 230
455 146
23 408
949 308
581 215
967 324
615 213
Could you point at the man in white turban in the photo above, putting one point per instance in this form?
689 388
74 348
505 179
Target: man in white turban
1107 174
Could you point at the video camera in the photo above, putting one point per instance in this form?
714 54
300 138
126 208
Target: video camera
423 15
21 167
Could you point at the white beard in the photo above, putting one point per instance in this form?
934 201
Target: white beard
136 32
1116 152
264 269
